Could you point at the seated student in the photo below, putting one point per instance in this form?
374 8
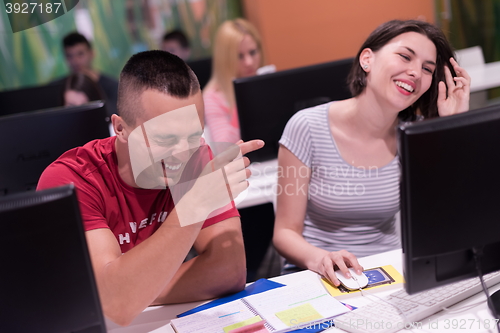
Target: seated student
80 89
338 161
138 232
79 56
237 53
176 43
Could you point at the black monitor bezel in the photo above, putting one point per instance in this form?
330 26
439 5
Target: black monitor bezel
32 285
291 90
203 70
31 98
41 157
427 266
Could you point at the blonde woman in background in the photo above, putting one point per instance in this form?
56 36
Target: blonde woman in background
237 53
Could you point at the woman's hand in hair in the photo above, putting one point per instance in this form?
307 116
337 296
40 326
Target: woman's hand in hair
456 99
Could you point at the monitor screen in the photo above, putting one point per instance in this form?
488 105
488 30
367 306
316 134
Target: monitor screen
32 98
203 70
450 197
30 141
265 103
47 279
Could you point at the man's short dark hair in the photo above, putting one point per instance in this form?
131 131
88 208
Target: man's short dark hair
75 38
178 36
157 70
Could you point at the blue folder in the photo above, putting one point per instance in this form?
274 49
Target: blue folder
257 287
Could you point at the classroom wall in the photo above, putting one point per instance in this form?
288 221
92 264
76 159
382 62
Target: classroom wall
117 29
302 32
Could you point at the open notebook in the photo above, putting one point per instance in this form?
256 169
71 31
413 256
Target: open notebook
282 310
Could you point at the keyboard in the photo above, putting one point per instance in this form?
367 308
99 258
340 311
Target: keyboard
399 310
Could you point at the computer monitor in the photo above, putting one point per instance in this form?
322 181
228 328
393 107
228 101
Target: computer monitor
30 141
32 98
47 279
265 103
450 197
203 70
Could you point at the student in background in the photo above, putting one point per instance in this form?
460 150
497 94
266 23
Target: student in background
80 89
237 53
79 56
339 160
176 43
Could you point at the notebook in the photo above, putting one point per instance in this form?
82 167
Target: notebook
282 309
256 287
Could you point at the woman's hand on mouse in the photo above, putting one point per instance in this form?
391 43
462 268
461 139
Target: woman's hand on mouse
456 99
342 259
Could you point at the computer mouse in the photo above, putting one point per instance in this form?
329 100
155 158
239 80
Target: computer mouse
355 282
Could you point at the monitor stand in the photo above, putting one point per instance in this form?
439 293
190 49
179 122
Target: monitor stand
495 301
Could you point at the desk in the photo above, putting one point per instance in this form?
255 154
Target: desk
156 319
262 187
484 76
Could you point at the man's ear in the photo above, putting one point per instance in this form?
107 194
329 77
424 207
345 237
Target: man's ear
366 59
120 127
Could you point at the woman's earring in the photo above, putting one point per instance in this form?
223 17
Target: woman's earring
365 66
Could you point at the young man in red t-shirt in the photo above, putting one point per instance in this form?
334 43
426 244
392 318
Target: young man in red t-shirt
138 236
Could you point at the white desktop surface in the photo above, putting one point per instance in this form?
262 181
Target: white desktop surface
262 185
484 76
156 319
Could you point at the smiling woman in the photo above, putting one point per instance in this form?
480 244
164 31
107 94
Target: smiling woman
397 63
403 70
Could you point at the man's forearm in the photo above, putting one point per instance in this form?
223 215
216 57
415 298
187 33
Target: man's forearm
130 282
220 269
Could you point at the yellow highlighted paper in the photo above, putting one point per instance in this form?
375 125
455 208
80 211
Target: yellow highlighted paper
243 323
299 314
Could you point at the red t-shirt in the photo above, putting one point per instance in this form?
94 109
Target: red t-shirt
106 201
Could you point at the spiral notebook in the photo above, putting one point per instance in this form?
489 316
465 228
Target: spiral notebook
282 309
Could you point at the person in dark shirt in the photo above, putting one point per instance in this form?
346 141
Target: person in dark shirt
80 89
177 43
79 56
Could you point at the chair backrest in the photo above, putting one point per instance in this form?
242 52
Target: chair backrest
471 56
